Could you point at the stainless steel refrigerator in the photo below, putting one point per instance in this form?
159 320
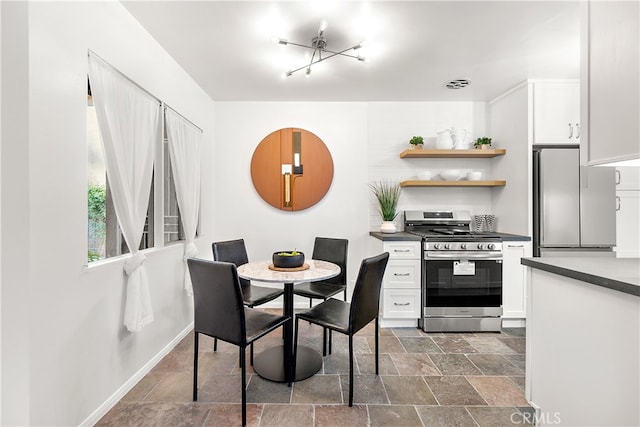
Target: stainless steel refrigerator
574 209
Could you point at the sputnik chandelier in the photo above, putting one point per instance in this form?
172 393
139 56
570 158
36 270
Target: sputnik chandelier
320 52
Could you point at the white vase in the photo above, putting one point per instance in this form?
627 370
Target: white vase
388 227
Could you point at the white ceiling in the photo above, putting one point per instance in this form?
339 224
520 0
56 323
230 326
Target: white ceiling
415 46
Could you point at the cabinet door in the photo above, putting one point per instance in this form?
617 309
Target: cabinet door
402 250
401 303
613 85
556 112
628 224
627 178
513 279
402 273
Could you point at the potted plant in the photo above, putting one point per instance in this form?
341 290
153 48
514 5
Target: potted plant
387 193
482 143
416 141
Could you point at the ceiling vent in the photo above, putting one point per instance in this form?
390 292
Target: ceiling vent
458 84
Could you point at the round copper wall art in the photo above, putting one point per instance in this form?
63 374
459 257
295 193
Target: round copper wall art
292 169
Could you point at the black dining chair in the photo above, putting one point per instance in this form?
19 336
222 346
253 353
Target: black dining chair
348 318
235 252
219 312
335 251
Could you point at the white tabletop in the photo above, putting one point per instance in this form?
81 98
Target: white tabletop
259 271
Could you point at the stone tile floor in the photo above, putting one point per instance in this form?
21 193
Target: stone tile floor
426 379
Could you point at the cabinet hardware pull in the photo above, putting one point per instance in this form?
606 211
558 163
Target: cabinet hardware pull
403 250
570 131
577 130
618 177
515 246
398 274
406 303
618 202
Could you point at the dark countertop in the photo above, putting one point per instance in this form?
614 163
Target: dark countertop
620 274
401 235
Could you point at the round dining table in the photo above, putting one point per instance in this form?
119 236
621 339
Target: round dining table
276 363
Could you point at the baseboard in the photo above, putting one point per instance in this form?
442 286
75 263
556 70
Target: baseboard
398 323
131 382
513 323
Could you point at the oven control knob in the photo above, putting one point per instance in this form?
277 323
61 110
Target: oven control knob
480 246
463 246
447 246
491 246
436 246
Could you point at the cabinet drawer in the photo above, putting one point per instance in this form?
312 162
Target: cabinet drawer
402 273
401 303
402 250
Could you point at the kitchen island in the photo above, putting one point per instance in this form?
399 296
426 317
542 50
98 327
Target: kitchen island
583 340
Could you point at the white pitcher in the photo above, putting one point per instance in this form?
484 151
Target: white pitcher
460 139
444 141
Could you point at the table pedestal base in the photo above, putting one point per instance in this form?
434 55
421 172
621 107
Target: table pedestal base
269 365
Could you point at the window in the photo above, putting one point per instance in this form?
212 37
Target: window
105 239
173 230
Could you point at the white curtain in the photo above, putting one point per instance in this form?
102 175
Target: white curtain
184 151
129 121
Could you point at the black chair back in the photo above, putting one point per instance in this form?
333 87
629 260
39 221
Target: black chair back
365 301
217 300
233 251
335 251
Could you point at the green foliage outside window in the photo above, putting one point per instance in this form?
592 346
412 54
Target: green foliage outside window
97 206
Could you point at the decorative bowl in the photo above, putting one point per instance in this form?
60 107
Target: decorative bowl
474 176
425 175
288 259
450 174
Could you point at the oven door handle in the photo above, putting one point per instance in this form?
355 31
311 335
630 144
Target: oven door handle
457 256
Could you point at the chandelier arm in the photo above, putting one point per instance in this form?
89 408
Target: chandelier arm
308 65
300 45
342 52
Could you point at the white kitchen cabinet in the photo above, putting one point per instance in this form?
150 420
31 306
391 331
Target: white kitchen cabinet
627 178
513 282
401 296
628 224
610 85
556 112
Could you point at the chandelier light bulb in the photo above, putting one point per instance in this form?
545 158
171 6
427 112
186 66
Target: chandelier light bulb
323 24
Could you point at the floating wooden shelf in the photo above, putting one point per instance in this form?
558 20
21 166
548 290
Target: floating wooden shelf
474 153
419 183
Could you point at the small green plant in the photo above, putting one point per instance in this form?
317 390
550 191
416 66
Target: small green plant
416 140
482 141
387 194
292 253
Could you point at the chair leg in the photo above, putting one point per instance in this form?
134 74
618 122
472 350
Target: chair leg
377 345
195 366
251 358
244 385
350 370
324 342
330 340
215 344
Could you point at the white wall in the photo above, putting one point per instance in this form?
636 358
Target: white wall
241 213
509 117
391 126
65 349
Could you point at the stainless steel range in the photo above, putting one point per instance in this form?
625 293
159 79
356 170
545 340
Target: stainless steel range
461 273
